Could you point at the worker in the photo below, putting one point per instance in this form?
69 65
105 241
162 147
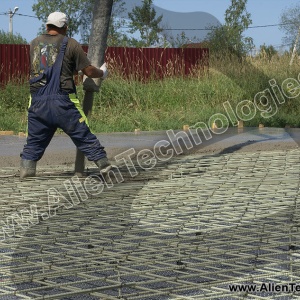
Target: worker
54 58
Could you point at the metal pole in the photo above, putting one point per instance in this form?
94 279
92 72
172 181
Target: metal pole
10 28
11 14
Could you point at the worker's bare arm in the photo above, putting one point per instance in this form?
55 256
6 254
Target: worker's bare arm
92 72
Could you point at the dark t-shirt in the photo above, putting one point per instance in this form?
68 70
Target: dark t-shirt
43 52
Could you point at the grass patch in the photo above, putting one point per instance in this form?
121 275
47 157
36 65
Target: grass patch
126 104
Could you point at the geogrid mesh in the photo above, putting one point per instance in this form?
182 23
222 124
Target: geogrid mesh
185 230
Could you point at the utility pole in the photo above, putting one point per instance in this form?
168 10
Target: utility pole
295 47
11 14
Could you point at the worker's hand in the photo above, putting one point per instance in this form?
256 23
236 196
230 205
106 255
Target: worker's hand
91 84
105 71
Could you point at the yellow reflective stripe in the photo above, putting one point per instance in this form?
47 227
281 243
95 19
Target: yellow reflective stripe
74 99
29 104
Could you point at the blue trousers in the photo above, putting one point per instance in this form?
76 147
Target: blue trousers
48 113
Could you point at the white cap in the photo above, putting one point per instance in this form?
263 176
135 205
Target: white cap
57 19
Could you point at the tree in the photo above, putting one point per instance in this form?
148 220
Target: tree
229 37
143 19
178 41
115 36
78 12
290 23
8 38
80 15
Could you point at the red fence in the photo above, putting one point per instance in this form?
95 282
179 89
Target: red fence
157 63
14 62
138 62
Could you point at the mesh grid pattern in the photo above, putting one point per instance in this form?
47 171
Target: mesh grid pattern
185 230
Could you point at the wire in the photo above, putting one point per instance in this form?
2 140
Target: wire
250 27
27 16
22 15
182 29
274 25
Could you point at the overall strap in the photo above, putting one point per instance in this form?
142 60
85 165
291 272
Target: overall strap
52 74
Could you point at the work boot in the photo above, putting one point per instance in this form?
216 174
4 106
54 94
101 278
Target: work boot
104 166
28 168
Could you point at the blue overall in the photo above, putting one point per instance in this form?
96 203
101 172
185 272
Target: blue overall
52 108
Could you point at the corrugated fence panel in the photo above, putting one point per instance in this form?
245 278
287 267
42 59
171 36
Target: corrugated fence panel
143 63
14 62
135 63
195 57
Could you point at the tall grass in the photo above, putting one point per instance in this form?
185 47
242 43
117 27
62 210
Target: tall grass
14 97
124 104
